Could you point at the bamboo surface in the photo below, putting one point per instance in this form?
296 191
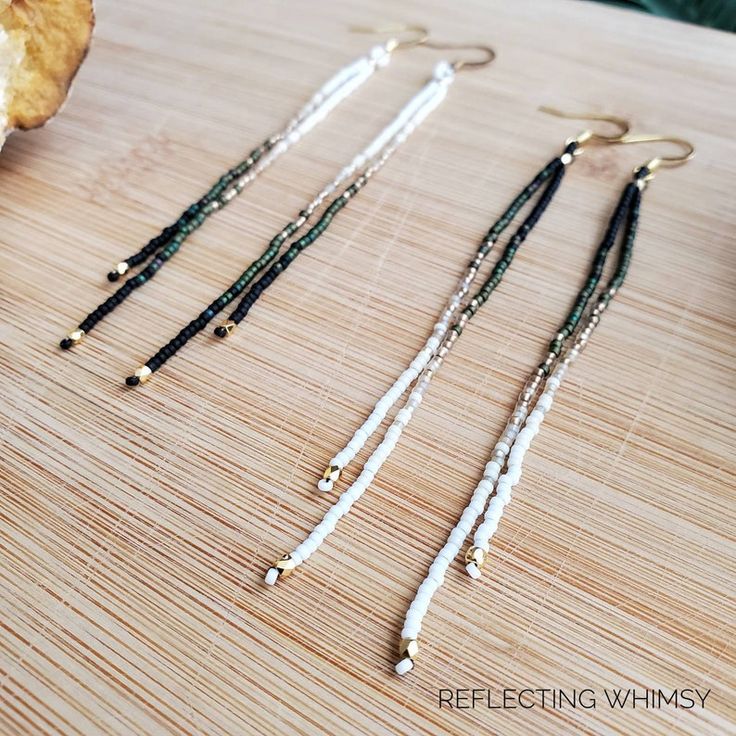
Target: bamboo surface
136 525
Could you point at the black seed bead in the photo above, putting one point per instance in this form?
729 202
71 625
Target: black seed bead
66 343
132 380
247 276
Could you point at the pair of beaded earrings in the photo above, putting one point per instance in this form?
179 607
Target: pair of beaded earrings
357 172
503 471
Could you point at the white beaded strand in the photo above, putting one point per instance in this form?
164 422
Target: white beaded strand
369 153
494 511
410 374
436 574
512 446
512 474
430 96
335 90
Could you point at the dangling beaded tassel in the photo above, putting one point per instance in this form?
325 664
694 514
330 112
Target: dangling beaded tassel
375 154
522 425
512 475
411 117
423 356
165 245
553 172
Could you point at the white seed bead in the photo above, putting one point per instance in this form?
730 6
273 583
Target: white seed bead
404 666
271 576
404 415
492 468
473 570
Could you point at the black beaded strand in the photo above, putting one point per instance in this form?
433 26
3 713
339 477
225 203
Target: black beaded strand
171 238
621 217
247 302
555 172
191 215
198 324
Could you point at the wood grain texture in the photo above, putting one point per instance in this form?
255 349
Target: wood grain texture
135 526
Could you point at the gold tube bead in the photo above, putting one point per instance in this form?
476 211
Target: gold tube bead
226 328
408 648
476 555
140 375
72 339
332 473
282 568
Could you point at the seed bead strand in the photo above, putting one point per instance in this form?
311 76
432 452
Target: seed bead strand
246 277
512 475
288 562
190 218
325 99
431 96
423 356
475 556
509 439
168 242
628 209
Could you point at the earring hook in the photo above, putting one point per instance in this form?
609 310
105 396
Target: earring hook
419 34
662 161
590 136
489 53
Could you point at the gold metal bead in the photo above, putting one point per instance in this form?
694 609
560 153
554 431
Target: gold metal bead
76 336
284 566
228 326
143 373
476 555
331 473
122 268
408 648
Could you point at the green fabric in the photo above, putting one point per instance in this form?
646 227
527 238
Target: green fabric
714 13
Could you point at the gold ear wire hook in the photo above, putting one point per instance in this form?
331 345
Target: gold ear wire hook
661 161
590 136
490 54
421 34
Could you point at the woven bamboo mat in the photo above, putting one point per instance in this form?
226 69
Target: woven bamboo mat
135 526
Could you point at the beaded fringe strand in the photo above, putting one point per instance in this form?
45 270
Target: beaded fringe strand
554 171
376 155
166 244
523 425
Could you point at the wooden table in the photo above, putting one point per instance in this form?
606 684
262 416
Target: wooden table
136 525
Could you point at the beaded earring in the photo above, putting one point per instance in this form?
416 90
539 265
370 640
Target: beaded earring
539 391
372 158
164 246
429 359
